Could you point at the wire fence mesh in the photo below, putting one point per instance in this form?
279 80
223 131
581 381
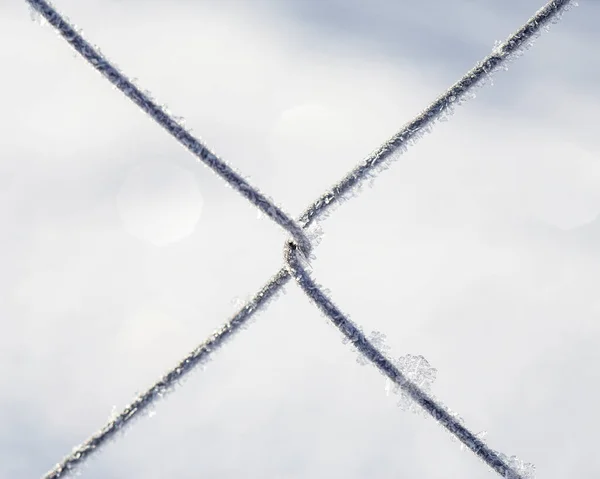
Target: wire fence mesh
298 252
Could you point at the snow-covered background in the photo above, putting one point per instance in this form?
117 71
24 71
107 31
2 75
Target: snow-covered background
479 249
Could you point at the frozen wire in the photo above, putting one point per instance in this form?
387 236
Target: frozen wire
440 107
387 367
399 142
168 123
166 384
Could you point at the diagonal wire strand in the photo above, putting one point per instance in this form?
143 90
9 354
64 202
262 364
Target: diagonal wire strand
161 117
366 348
201 353
443 105
166 383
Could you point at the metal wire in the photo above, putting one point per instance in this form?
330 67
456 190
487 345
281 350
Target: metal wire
364 346
390 150
159 115
440 107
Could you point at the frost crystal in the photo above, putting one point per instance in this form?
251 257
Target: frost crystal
114 412
315 236
346 339
377 339
237 302
498 49
479 435
523 469
36 16
419 372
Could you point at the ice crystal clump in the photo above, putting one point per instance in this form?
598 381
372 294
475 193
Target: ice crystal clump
36 16
419 372
377 339
498 49
457 417
114 412
523 470
243 305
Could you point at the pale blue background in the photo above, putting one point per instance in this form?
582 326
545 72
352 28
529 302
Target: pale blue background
474 250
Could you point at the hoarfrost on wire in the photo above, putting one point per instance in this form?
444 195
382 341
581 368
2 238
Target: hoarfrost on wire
419 372
346 339
377 339
114 412
479 435
525 470
36 16
522 469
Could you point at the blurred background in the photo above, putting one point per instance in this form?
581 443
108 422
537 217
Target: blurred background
478 249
